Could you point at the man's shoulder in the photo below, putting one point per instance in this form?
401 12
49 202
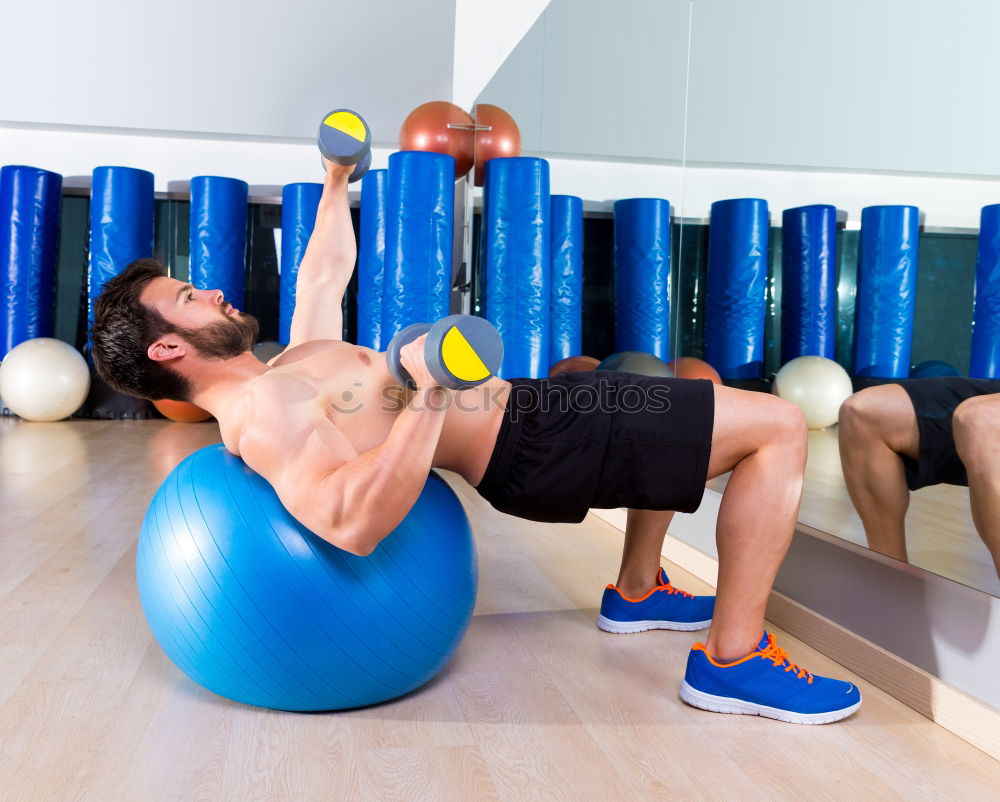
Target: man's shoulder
298 351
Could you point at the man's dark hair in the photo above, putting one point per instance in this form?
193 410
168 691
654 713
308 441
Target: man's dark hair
123 330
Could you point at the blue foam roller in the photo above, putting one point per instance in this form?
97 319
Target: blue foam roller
419 231
984 360
642 276
886 295
809 282
121 225
566 305
299 203
516 261
29 244
735 294
256 608
371 258
219 236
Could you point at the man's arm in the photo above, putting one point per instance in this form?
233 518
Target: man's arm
352 500
327 265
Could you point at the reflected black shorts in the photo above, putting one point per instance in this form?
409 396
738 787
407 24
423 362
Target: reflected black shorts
934 401
601 439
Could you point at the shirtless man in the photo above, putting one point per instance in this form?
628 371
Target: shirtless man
348 453
895 438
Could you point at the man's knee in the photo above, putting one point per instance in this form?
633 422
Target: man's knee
880 414
789 425
865 409
976 428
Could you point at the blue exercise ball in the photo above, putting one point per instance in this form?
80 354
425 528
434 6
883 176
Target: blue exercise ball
256 608
933 367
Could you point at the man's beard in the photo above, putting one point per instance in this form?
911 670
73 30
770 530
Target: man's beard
223 339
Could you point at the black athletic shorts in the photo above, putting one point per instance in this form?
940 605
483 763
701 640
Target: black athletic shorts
934 401
601 439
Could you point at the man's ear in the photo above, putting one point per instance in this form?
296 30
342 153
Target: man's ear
166 348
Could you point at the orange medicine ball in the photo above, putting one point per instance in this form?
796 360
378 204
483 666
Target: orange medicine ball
181 411
689 367
573 364
500 138
427 128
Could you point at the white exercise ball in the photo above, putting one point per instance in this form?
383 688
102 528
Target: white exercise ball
817 385
44 380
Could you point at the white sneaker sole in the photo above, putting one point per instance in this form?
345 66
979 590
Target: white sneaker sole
725 704
631 627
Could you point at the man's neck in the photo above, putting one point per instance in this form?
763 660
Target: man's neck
218 384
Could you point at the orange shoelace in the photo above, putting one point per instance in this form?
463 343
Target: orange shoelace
671 590
779 657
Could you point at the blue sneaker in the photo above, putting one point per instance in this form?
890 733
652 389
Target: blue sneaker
766 683
664 607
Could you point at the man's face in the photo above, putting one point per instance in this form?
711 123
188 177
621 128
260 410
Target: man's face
203 318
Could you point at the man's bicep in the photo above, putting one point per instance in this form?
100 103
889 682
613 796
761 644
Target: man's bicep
318 314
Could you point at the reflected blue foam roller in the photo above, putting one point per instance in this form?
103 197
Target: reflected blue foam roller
121 225
218 234
984 360
887 284
419 232
371 258
566 253
29 244
642 276
809 282
735 294
299 203
516 261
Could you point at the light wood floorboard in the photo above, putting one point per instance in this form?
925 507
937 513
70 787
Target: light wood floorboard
537 704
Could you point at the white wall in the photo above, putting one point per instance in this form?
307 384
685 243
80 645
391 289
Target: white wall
557 75
485 34
212 87
858 84
946 202
75 153
859 103
599 78
255 68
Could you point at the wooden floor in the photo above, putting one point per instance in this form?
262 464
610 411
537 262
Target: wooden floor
940 535
537 704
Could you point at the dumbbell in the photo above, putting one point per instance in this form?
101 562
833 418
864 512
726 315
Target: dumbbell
461 351
345 138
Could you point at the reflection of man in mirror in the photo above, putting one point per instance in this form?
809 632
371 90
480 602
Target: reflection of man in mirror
900 437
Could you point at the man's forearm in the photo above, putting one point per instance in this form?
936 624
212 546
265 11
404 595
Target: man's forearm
332 249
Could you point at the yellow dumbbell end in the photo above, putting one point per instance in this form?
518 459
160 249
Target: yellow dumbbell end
347 123
460 358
